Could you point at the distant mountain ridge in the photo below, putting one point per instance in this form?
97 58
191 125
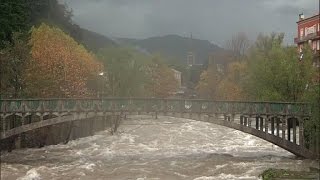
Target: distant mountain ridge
175 46
95 41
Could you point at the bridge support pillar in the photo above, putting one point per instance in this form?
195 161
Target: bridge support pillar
23 119
4 123
301 135
245 121
272 125
278 126
249 121
289 129
294 126
261 123
17 142
232 116
241 119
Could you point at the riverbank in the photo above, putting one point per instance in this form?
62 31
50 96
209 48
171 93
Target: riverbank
271 173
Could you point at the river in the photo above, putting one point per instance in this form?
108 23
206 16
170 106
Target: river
147 148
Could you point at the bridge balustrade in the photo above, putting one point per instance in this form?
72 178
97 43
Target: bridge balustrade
262 113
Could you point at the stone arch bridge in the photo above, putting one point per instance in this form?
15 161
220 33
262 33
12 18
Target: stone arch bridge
276 122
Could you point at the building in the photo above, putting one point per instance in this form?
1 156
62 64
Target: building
309 33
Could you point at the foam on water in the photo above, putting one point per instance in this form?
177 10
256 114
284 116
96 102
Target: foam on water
32 174
166 148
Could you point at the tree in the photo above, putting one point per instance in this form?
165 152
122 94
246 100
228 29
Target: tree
275 72
238 45
13 18
163 83
126 71
59 65
230 87
13 59
208 84
21 15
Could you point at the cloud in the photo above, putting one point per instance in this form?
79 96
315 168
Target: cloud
212 20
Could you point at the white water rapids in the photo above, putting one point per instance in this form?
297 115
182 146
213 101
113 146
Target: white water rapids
147 148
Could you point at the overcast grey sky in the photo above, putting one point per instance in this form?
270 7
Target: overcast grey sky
213 20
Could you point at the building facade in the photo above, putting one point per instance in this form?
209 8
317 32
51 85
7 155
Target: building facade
309 34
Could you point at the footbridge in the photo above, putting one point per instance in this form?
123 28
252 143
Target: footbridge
276 122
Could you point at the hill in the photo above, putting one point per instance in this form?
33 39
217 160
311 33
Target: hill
175 46
94 41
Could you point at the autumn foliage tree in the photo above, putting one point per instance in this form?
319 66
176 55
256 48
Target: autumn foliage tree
163 83
208 84
59 66
230 87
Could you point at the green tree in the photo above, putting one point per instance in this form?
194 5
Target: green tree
276 73
13 18
21 15
13 59
125 71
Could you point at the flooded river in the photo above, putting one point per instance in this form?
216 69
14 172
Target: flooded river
146 148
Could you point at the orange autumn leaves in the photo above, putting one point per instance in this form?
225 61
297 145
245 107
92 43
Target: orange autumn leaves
59 67
223 86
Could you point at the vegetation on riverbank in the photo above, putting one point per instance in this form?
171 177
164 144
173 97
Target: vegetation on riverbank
271 173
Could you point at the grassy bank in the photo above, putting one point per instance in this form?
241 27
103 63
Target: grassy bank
287 174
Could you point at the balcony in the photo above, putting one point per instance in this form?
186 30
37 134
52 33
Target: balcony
311 36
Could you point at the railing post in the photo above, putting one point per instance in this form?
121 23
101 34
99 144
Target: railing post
284 119
266 124
278 126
